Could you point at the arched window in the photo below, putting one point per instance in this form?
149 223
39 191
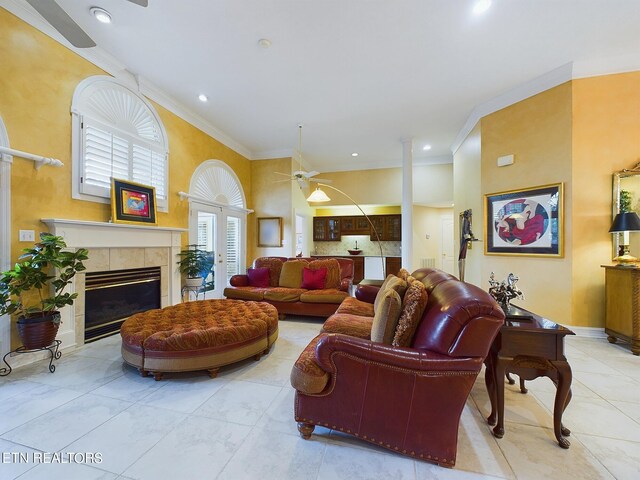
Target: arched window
116 134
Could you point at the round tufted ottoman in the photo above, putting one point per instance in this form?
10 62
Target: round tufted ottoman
200 335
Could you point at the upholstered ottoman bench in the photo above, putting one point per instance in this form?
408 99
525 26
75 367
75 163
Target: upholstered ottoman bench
200 335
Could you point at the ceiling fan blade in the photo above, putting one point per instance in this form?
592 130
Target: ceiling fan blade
302 182
310 174
142 3
281 181
63 23
320 180
285 174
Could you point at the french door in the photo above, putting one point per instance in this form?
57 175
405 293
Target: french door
221 231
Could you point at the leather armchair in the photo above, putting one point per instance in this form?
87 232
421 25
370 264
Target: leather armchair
408 400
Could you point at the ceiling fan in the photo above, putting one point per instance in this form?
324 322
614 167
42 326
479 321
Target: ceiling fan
63 23
301 176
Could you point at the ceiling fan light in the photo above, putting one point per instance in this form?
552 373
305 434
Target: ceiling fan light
318 196
101 14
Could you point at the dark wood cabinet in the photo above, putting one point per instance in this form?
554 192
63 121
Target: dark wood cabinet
329 229
393 265
357 225
326 229
389 227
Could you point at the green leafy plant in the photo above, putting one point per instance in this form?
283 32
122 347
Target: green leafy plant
36 285
625 201
195 262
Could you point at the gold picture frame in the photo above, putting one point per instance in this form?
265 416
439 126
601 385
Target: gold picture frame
270 232
528 221
133 203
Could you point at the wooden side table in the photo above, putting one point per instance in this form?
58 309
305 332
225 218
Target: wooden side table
622 305
529 346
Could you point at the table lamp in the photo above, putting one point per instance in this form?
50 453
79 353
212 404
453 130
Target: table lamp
625 222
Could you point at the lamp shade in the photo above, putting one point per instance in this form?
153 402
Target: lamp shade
319 196
625 222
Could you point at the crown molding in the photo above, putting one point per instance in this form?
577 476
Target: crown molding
269 154
117 69
539 84
570 71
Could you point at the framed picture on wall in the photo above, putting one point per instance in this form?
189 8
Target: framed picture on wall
525 222
133 203
270 232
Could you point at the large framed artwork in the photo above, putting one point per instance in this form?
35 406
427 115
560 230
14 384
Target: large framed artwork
525 222
270 232
133 203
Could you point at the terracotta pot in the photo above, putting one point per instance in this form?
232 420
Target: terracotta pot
38 332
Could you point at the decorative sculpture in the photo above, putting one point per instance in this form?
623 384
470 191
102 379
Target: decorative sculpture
505 291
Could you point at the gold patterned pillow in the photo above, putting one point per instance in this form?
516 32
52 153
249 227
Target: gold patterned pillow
386 317
413 305
403 273
274 265
332 265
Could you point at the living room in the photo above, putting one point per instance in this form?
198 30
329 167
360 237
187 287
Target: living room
573 122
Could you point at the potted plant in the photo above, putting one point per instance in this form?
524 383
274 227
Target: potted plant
196 264
34 289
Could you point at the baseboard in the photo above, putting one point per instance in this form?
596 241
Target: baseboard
588 332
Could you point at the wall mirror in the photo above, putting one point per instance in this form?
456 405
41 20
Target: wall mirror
627 180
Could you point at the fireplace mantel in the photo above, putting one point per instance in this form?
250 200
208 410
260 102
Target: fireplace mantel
116 246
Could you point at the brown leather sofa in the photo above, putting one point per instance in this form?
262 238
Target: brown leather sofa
294 301
408 400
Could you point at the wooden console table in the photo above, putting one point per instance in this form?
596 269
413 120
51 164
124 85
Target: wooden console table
529 346
622 305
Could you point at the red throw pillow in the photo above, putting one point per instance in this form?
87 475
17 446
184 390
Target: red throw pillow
258 277
314 279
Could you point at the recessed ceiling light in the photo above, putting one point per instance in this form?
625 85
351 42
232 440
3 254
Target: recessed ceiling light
264 42
481 6
101 14
354 154
202 97
426 147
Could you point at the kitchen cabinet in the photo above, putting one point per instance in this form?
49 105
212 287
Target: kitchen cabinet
389 227
393 265
326 229
356 225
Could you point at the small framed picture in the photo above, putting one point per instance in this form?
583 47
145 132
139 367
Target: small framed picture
270 232
525 222
133 203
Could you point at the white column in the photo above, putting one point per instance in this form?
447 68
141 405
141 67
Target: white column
407 203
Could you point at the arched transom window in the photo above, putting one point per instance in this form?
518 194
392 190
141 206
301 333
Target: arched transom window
117 134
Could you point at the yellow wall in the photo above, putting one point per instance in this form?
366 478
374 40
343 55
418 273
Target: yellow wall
432 184
538 132
37 83
353 210
428 221
467 194
272 195
606 132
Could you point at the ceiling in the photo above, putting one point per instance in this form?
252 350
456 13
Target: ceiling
359 74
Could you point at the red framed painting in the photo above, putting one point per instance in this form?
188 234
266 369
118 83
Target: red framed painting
133 203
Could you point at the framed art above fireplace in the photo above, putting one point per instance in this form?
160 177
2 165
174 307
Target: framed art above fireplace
133 203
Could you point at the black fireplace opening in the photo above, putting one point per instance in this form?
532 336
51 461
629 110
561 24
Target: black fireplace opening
112 297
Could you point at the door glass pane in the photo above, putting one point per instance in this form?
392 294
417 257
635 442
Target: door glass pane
233 247
206 240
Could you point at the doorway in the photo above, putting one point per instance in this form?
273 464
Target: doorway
217 230
447 245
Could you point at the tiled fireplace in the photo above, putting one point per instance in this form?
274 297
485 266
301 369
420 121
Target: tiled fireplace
115 247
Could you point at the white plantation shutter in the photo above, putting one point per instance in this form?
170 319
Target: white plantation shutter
121 137
233 247
105 155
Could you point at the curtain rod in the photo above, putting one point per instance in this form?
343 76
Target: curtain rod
186 195
38 159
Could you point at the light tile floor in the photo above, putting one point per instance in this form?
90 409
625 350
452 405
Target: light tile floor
240 425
